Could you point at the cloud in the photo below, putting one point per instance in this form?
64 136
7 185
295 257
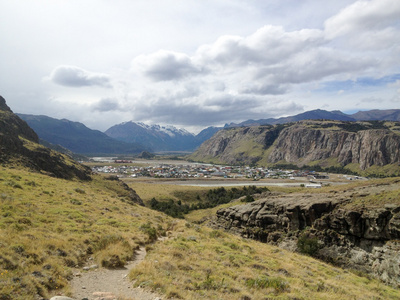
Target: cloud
363 16
366 25
214 72
265 89
166 65
318 64
207 110
267 46
73 76
106 104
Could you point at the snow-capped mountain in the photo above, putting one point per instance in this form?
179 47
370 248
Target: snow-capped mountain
156 137
172 131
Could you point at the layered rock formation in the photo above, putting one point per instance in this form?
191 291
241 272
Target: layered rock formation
327 143
354 237
366 148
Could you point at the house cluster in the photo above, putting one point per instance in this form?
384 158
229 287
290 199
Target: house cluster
203 171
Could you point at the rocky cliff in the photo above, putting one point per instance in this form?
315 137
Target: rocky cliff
19 145
352 236
326 143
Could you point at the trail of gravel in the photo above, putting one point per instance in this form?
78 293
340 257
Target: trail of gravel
102 284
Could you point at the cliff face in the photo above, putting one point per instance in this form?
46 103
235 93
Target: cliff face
354 237
363 143
365 147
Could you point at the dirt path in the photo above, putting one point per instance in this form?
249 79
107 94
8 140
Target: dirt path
102 284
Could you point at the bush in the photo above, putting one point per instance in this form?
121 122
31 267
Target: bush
107 240
213 198
75 202
308 245
150 231
80 191
278 284
248 199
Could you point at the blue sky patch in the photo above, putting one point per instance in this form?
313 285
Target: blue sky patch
349 85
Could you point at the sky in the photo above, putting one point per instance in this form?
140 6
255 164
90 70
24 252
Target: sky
197 63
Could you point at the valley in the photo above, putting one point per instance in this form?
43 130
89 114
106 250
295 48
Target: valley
212 231
200 150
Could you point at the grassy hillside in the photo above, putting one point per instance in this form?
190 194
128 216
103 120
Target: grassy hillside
49 226
201 263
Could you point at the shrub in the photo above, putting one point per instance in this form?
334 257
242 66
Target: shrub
278 284
80 191
308 245
213 198
150 231
248 199
75 202
107 240
113 251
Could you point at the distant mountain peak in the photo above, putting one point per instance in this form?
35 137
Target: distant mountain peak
158 137
77 137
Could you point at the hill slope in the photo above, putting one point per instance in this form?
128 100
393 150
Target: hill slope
77 137
19 145
360 146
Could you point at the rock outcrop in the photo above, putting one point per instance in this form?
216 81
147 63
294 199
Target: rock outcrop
366 148
365 239
326 143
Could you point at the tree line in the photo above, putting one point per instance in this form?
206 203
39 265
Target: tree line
212 198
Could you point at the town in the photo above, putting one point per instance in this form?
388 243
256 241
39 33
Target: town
198 170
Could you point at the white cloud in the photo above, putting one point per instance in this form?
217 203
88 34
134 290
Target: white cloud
363 16
207 111
257 59
267 46
165 65
372 25
73 76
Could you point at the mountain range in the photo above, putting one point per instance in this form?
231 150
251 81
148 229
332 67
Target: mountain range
319 114
77 137
131 138
159 138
